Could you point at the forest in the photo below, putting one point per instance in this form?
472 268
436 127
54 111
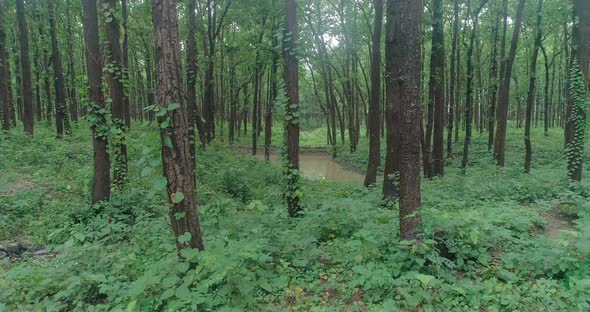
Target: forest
294 155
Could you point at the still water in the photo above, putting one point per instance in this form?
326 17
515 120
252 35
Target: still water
319 166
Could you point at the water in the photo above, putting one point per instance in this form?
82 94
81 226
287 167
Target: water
320 166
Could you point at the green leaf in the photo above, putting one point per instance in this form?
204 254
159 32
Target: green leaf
424 279
161 113
160 183
131 306
165 123
178 197
185 237
167 142
173 106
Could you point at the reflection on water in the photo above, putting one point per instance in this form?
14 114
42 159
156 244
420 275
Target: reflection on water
317 165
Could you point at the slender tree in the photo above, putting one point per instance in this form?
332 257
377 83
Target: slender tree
97 107
27 82
291 76
176 157
407 40
470 73
374 123
532 90
392 107
453 81
504 92
116 76
437 79
61 118
579 83
4 73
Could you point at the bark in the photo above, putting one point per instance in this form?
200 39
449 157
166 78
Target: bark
101 180
504 92
575 115
407 38
453 73
72 88
192 70
4 103
469 97
532 90
60 93
437 78
291 76
27 83
176 157
273 89
374 123
116 76
494 71
125 64
257 88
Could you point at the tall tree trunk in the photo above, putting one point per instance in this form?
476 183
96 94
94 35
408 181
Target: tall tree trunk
176 158
4 73
292 109
532 90
101 187
504 93
72 88
438 98
273 89
256 109
494 71
407 38
374 123
27 83
453 80
60 93
392 107
191 77
116 76
125 64
578 90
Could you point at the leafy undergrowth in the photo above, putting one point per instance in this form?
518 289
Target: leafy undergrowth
484 247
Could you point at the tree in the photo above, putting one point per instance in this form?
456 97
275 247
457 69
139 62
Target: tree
392 107
4 102
177 164
579 82
116 76
374 122
61 118
191 76
437 79
453 79
532 90
72 88
407 40
504 92
469 99
27 83
97 107
291 76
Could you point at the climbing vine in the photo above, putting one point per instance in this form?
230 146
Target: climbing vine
293 192
574 151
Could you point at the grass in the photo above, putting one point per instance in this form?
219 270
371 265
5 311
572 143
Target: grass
484 248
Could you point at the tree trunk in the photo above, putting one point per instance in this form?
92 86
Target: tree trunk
176 157
469 97
125 65
504 93
273 89
407 38
438 98
578 90
60 93
532 91
27 84
72 88
116 70
101 180
374 123
453 73
392 107
4 73
292 109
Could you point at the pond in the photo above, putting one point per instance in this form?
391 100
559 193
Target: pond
319 166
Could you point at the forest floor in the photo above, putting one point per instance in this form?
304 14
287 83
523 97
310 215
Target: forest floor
495 239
